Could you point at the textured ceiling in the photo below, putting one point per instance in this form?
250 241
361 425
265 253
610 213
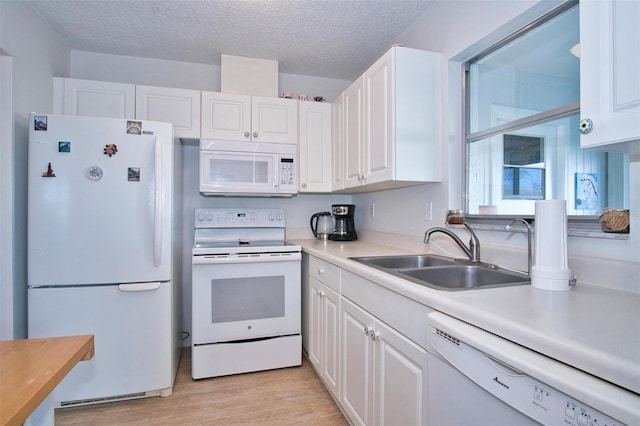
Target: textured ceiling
325 38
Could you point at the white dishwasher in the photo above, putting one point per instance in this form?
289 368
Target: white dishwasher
478 378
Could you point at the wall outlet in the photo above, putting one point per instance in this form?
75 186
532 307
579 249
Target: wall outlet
428 211
372 210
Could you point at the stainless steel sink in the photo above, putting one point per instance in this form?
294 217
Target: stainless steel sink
460 277
443 273
405 261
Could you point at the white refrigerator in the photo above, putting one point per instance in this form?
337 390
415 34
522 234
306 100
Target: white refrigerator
104 250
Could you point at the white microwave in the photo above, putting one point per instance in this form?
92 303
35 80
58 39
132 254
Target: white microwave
237 168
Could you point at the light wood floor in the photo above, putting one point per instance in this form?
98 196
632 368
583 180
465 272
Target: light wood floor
289 396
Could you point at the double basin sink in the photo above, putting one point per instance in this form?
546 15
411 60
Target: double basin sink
443 273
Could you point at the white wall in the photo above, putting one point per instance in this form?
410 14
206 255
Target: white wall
457 30
156 72
37 53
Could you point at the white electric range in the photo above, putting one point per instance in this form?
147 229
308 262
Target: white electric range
246 305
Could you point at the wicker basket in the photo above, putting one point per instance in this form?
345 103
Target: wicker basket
615 220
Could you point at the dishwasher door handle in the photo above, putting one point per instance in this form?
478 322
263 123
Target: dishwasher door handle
503 367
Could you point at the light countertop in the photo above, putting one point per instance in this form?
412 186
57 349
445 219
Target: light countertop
595 329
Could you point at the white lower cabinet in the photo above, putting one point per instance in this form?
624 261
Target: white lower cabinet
325 325
377 375
321 319
383 379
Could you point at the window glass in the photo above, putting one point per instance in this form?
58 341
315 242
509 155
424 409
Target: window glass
522 136
533 73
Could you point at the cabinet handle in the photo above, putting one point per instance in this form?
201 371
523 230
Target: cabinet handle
247 134
373 334
255 134
320 271
586 126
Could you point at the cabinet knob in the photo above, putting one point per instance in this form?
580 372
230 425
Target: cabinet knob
247 134
304 184
586 126
255 134
320 271
321 293
373 334
366 330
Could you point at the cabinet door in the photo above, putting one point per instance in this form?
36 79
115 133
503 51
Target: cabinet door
98 98
401 383
609 70
274 120
226 116
378 139
315 146
331 340
180 107
353 137
337 142
314 338
357 363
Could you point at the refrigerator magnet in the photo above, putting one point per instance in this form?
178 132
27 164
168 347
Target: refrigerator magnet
49 172
133 174
40 123
64 146
134 127
110 149
94 173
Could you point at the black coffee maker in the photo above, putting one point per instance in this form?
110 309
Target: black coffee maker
345 228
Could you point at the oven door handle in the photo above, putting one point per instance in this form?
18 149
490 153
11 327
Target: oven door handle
248 258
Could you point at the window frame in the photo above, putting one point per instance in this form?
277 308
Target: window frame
577 225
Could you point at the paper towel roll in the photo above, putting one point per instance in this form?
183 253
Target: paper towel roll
550 269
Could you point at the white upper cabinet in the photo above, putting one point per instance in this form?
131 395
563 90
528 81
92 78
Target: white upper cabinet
226 116
274 119
315 146
249 118
353 142
392 122
94 98
337 139
181 107
610 75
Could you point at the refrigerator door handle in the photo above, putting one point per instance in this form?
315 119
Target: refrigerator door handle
157 208
139 286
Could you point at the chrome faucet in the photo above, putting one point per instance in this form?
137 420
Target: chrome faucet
472 252
529 253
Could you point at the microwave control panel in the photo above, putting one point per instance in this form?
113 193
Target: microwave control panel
287 171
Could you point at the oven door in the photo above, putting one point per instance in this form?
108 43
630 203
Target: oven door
241 297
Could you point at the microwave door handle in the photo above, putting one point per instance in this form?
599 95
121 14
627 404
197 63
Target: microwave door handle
276 172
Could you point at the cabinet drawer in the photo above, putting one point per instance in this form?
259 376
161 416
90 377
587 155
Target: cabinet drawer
325 272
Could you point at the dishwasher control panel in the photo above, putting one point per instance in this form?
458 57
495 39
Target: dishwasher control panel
537 400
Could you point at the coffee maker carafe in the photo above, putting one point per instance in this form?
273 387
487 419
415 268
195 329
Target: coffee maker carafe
322 225
345 228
